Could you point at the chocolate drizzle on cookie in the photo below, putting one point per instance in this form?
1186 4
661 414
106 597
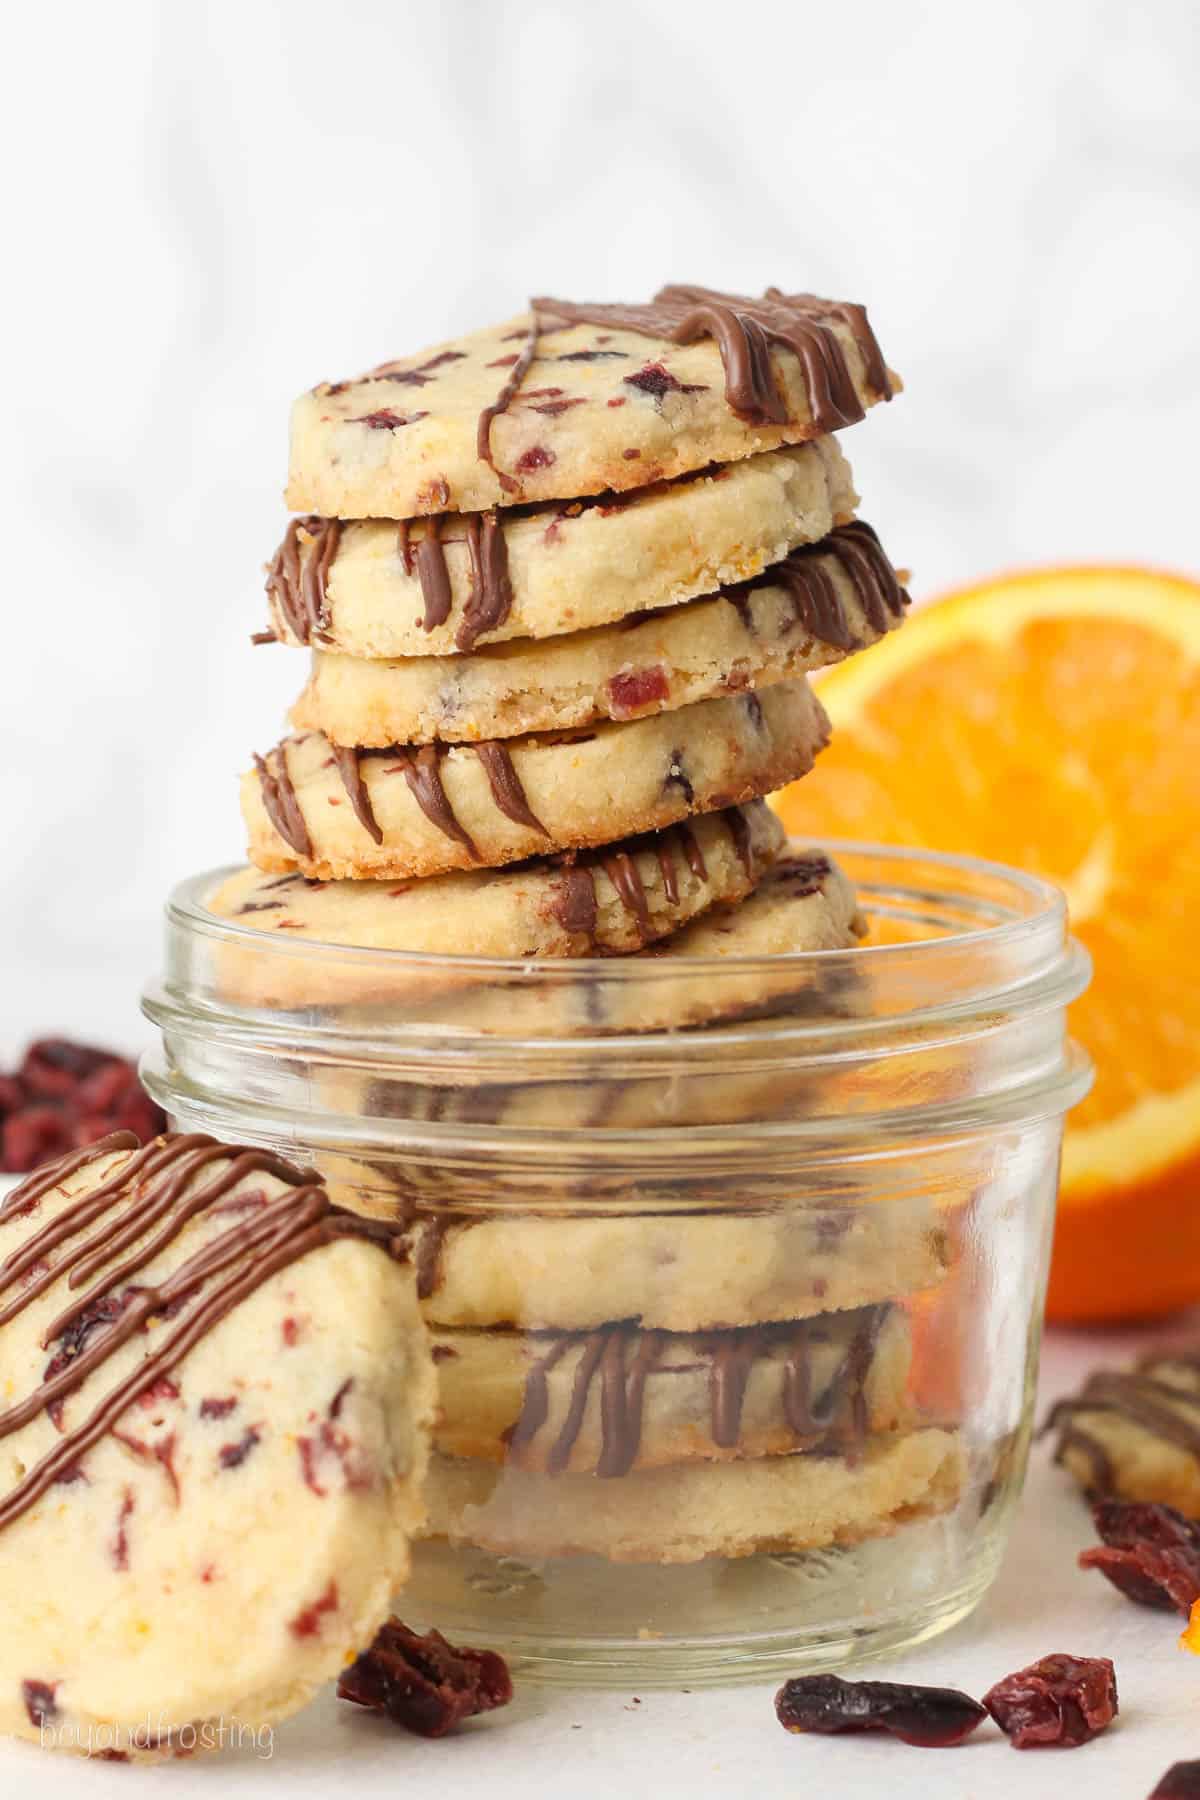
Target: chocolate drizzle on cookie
490 599
621 1358
1143 1397
280 802
297 579
505 783
745 329
434 576
576 904
516 375
422 769
140 1209
349 768
817 607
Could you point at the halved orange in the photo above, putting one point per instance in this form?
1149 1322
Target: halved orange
1052 720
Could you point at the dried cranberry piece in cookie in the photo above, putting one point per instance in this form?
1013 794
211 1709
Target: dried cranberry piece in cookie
1060 1699
1181 1782
930 1717
423 1683
1150 1552
632 691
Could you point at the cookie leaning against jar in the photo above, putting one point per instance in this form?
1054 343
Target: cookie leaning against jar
818 606
192 1334
570 400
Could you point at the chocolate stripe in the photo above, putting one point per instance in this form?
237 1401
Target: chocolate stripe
806 575
297 581
349 767
622 870
483 431
422 771
574 904
835 1419
434 576
280 802
491 596
664 848
505 783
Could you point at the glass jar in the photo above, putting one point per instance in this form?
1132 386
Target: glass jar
734 1268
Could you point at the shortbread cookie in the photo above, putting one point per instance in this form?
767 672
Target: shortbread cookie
1135 1435
612 900
816 607
373 588
423 811
569 400
682 1513
711 970
675 1270
620 1398
216 1398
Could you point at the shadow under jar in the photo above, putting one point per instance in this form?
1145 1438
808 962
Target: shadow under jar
734 1268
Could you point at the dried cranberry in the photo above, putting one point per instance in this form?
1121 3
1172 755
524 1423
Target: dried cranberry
656 380
56 1066
932 1717
1150 1552
232 1456
12 1095
1181 1782
307 1623
39 1701
73 1340
386 420
34 1136
635 689
423 1683
536 458
66 1095
1058 1700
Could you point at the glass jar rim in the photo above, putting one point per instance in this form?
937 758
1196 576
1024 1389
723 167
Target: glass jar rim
1047 907
981 985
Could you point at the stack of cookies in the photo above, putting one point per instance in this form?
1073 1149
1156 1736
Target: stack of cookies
563 582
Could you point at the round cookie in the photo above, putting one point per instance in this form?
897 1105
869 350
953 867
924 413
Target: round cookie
684 1512
675 1271
816 607
621 1398
567 401
423 811
1135 1434
612 900
802 903
217 1394
372 588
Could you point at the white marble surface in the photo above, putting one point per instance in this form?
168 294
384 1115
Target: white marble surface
213 205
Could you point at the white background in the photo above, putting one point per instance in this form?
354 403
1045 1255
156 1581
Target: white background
210 207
